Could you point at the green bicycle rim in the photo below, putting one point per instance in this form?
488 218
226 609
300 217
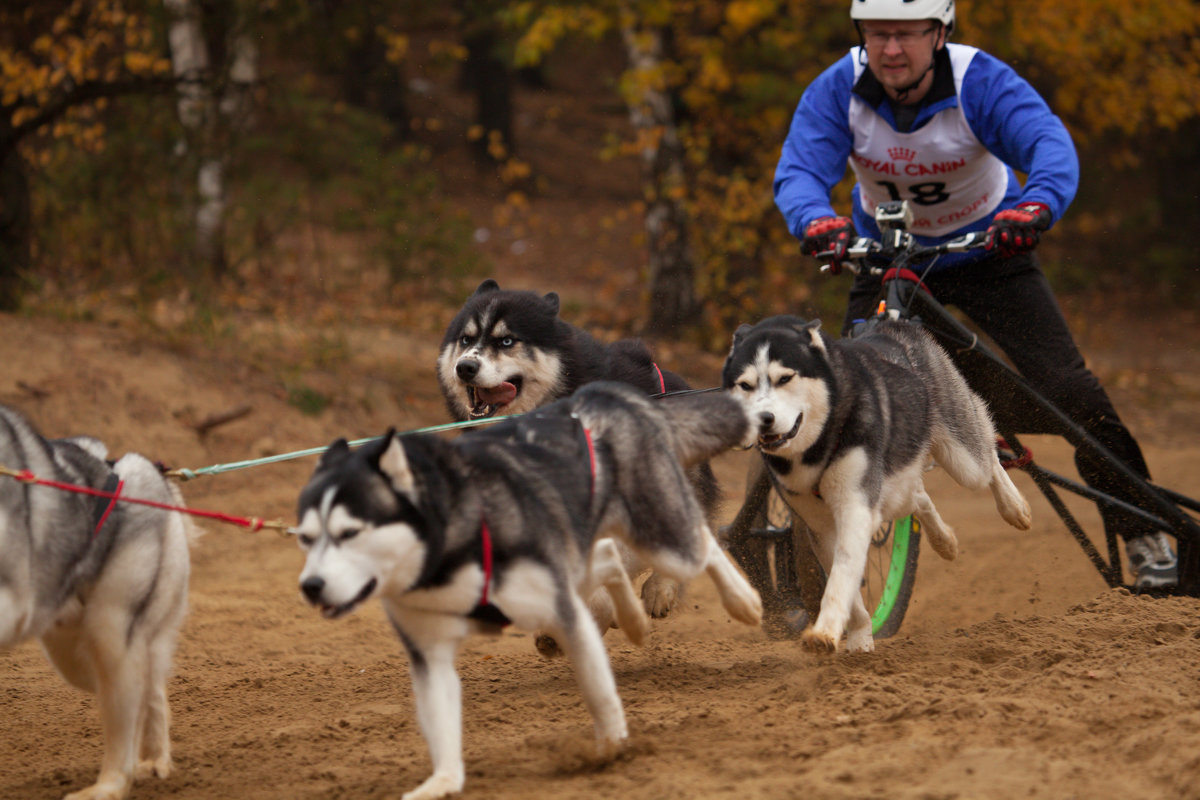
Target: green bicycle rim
901 532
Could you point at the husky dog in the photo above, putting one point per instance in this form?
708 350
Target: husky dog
846 428
508 352
514 524
102 584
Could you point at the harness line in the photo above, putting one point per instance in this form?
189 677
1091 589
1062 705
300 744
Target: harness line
216 469
112 503
255 524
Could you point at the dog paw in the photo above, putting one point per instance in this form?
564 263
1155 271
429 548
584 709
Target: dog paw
860 641
636 627
546 644
609 747
746 608
660 595
945 544
111 786
1021 517
818 642
153 768
434 787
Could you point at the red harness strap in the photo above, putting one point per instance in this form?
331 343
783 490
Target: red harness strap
486 536
906 274
484 610
1009 458
662 383
112 503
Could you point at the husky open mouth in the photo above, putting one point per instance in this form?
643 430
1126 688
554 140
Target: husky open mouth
333 612
773 441
487 400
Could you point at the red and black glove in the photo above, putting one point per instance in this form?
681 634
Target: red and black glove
1016 230
828 235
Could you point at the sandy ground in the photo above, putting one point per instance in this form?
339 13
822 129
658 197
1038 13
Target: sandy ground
1017 673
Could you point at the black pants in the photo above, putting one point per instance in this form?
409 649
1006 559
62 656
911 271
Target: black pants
1011 301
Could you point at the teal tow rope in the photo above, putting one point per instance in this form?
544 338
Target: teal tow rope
216 469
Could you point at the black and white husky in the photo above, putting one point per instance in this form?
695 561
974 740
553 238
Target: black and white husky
507 352
514 523
846 428
102 584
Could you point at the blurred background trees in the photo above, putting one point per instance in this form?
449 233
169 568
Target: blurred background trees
191 144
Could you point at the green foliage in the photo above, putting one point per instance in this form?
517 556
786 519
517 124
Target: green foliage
124 213
326 164
104 216
308 400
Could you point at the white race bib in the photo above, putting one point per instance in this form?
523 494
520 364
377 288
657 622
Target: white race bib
942 169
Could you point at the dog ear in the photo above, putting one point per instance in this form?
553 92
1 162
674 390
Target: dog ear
393 462
551 299
740 333
489 285
813 329
800 326
336 453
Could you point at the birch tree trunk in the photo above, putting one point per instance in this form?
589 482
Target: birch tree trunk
672 273
205 116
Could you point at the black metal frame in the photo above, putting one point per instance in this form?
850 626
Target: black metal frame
1018 408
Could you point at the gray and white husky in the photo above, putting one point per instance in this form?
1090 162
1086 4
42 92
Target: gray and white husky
846 428
102 584
507 351
514 524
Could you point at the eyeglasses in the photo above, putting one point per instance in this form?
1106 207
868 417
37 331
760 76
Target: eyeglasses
903 38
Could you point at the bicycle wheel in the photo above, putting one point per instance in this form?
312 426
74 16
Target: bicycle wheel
891 573
778 558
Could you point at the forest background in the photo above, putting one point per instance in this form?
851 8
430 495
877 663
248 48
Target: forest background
175 156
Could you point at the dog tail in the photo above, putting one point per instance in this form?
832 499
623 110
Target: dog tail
191 530
704 424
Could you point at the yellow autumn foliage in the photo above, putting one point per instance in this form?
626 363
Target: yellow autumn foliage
1115 70
47 55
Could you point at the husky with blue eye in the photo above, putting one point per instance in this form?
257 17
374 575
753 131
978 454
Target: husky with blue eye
518 523
846 428
508 352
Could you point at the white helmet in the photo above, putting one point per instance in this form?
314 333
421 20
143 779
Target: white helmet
941 10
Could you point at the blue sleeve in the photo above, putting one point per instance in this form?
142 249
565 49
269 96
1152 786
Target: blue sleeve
817 148
1013 122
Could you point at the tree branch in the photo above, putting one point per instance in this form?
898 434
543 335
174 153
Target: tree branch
78 95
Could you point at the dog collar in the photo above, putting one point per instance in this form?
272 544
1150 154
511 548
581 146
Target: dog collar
484 610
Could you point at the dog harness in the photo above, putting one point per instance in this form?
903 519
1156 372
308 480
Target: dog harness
101 510
662 384
485 610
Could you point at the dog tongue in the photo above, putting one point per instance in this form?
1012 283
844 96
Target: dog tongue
496 395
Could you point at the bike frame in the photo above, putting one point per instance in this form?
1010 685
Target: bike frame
1018 408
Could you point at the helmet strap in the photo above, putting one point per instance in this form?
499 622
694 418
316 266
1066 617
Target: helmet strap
902 92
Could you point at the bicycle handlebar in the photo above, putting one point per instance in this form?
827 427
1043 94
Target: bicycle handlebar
902 250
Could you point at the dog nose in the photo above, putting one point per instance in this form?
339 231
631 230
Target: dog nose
312 587
765 419
467 369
